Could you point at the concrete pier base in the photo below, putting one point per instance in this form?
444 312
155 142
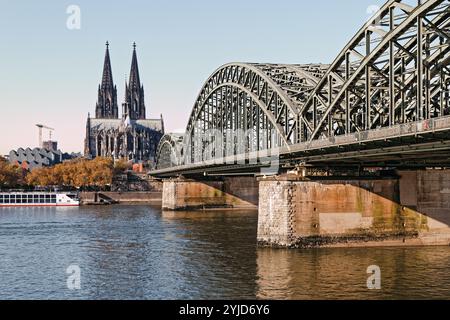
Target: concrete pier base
226 192
355 212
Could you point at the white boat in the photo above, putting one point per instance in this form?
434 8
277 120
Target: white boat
38 199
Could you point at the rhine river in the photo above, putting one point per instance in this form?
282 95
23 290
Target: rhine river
139 252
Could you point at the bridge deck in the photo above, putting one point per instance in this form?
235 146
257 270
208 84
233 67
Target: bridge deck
421 143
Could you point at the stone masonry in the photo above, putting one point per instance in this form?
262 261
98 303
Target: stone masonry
234 192
302 213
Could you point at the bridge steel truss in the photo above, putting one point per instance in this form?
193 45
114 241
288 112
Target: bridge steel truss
394 72
248 108
169 151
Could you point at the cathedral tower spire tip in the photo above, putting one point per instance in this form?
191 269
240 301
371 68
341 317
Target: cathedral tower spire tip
134 95
107 93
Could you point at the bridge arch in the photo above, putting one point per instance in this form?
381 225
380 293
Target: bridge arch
393 71
170 151
260 101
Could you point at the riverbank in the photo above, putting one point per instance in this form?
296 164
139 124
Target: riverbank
139 197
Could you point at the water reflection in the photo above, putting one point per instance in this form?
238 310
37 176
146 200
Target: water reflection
219 248
407 273
139 252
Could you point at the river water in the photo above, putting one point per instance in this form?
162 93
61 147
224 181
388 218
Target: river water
139 252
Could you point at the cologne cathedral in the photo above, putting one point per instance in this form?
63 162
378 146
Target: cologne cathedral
131 135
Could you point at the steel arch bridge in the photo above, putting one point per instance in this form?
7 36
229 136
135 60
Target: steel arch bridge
388 88
170 151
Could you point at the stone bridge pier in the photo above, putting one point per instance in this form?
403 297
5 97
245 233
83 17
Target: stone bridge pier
411 209
209 193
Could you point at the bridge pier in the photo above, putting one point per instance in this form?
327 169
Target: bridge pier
220 192
412 209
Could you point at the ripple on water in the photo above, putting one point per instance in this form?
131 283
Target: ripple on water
138 252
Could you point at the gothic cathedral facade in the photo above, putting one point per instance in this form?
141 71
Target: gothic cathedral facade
131 135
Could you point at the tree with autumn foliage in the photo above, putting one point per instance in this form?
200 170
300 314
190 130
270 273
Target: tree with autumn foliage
40 177
77 173
121 166
10 175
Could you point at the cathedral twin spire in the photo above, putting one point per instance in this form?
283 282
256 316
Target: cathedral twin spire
134 106
106 107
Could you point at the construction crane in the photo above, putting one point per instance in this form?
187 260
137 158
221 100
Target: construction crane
50 130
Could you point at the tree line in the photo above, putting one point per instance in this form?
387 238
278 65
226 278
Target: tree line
78 173
10 176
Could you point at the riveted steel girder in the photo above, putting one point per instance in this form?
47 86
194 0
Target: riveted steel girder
170 151
394 71
262 100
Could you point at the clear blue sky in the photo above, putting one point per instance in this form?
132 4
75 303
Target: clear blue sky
50 74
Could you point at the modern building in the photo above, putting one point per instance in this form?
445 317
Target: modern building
50 145
30 159
130 136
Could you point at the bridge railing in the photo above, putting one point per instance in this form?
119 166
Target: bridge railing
385 133
271 157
